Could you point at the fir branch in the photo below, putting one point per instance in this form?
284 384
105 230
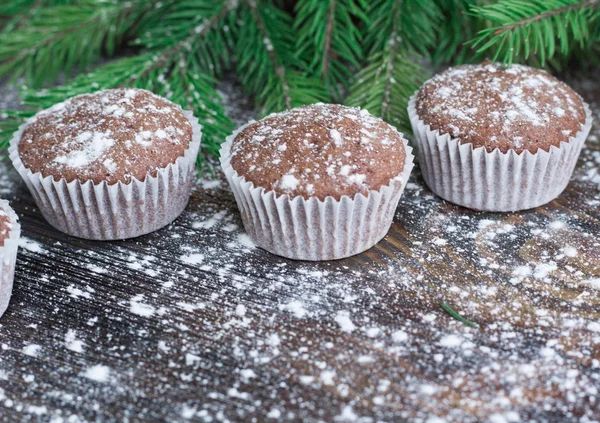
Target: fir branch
456 26
329 37
17 13
386 84
534 28
266 64
414 23
199 27
398 32
60 37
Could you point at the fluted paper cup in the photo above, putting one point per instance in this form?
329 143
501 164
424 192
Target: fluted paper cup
313 229
496 181
119 211
8 257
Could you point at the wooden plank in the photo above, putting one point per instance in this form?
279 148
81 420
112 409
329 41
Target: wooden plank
194 323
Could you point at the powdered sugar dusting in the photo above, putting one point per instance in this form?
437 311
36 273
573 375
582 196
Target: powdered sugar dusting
89 148
518 108
108 135
319 150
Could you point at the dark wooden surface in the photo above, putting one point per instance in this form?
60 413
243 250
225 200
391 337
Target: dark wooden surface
194 323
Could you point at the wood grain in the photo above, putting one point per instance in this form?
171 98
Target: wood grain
193 323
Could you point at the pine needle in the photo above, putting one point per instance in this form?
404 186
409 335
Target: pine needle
457 316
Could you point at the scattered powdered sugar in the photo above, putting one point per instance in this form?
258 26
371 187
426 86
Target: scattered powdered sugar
288 183
97 373
336 137
32 350
196 307
343 319
139 307
72 343
30 245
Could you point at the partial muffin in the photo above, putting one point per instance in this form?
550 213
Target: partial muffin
125 158
10 232
496 138
318 182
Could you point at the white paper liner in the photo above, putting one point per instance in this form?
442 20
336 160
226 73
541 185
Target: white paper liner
313 229
119 211
8 257
496 181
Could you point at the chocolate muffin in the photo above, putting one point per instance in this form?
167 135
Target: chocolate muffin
323 180
498 138
517 108
6 226
108 136
124 157
10 231
319 151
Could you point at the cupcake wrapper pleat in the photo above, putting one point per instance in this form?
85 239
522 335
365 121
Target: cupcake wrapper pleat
496 181
8 257
312 229
118 211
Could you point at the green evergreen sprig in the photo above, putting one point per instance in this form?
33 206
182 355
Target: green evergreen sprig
61 37
368 53
200 28
457 24
330 39
541 28
266 64
398 33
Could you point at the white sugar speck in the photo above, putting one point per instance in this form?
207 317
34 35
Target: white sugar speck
343 319
451 341
544 269
326 377
336 137
98 373
274 413
289 182
140 308
347 415
72 343
295 307
245 241
30 245
399 336
594 283
32 350
240 310
192 258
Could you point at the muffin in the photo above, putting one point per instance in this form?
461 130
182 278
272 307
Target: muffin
498 139
318 182
10 231
113 164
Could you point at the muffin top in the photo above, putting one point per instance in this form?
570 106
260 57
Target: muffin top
318 151
5 226
112 135
517 108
